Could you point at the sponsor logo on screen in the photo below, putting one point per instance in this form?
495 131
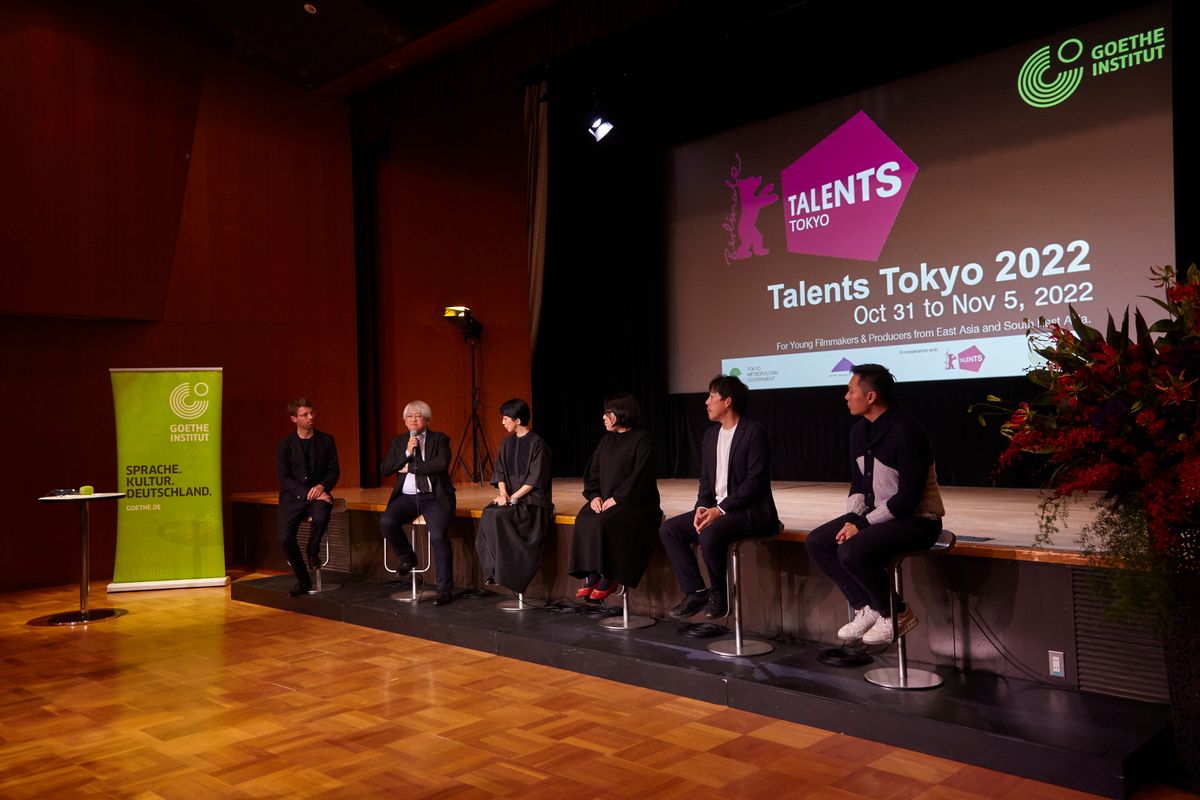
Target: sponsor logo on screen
970 359
842 367
841 198
186 402
1045 81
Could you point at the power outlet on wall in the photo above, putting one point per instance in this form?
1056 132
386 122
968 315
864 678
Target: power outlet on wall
1058 668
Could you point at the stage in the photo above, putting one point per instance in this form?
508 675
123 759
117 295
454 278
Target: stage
991 523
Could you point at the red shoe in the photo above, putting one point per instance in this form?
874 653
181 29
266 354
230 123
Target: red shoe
584 591
600 594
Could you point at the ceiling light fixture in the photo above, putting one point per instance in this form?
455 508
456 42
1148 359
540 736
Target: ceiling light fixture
600 128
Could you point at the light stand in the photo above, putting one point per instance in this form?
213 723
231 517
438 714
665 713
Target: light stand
481 462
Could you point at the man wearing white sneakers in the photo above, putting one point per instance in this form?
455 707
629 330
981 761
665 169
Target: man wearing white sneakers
894 506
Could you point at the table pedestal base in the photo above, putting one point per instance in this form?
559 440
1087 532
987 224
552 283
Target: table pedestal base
78 617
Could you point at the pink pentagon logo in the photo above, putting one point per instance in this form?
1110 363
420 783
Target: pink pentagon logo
842 197
971 359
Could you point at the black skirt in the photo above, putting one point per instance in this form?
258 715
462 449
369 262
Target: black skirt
616 543
510 540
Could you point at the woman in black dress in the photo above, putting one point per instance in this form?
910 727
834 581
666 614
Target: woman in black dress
513 528
616 531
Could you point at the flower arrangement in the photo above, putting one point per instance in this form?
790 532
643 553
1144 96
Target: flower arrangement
1118 416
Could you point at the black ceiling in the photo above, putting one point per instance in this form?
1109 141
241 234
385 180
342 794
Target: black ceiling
341 37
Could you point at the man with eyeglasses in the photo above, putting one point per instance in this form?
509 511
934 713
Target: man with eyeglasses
420 460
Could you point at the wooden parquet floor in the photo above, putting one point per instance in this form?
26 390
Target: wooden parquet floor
193 695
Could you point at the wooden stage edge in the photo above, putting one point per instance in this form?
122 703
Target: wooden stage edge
990 523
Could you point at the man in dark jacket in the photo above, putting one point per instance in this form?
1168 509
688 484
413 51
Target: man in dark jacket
306 464
734 501
894 506
420 460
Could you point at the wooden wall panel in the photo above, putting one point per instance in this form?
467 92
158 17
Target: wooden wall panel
99 111
452 231
261 283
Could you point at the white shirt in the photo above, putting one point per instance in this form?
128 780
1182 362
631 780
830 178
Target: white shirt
721 479
410 480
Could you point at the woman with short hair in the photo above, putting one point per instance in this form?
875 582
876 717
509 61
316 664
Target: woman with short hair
616 531
521 516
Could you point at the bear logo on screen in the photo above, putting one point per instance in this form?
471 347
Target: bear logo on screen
745 239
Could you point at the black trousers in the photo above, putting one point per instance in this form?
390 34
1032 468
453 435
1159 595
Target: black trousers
403 509
288 517
859 565
678 535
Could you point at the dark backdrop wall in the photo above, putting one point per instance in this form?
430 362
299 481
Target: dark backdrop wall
205 208
725 66
440 158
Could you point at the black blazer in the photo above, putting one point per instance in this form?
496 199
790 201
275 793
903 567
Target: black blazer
749 477
294 479
435 465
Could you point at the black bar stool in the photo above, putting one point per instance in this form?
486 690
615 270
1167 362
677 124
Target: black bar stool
339 507
626 622
900 676
737 646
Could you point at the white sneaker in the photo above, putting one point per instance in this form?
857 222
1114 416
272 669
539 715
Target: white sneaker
881 631
864 619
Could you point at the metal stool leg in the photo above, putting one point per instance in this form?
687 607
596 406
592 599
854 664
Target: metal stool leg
737 646
514 605
415 596
339 507
318 585
900 676
626 622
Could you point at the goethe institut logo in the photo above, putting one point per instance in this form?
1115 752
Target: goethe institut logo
1044 82
186 402
841 198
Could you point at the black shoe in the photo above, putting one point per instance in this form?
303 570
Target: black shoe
443 599
314 561
690 604
491 581
406 565
715 608
300 588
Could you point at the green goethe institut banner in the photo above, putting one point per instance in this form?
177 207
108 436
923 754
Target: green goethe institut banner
169 525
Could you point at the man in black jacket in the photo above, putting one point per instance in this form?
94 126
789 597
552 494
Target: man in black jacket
734 501
420 460
894 506
306 464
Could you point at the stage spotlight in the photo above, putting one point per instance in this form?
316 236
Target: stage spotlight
600 128
460 316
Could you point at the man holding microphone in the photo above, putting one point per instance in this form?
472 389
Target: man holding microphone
421 462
